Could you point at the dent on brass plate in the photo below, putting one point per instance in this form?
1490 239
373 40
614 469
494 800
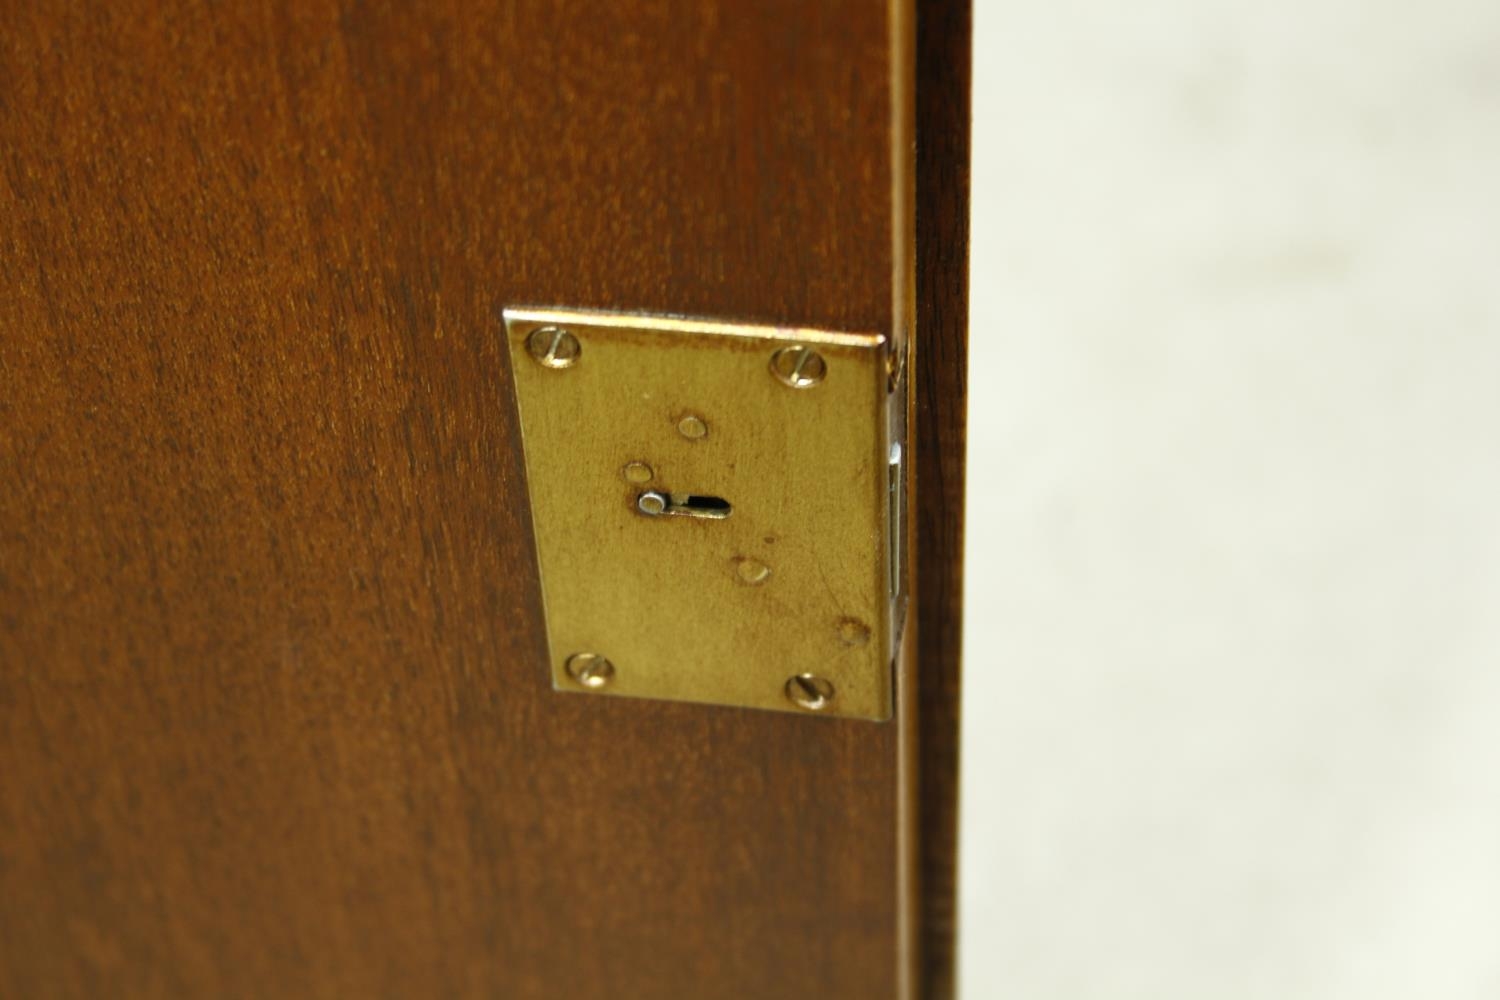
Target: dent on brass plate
712 506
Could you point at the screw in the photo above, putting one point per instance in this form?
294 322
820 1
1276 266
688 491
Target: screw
554 347
809 691
799 367
895 367
590 669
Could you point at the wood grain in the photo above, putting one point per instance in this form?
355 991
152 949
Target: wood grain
275 718
943 63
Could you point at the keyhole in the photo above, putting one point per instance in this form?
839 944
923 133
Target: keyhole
656 503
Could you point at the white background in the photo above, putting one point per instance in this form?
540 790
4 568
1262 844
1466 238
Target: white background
1233 646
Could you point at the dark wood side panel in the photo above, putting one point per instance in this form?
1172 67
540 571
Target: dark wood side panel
944 34
274 711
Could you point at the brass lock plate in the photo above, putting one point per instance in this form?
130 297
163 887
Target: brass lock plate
712 506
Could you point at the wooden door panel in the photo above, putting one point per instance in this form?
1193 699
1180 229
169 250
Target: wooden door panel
275 712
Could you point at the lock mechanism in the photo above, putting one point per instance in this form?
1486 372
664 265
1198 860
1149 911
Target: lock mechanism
717 508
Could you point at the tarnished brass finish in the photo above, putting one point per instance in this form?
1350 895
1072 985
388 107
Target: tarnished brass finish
782 562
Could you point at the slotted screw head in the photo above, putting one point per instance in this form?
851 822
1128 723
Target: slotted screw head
590 669
809 691
799 367
554 347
